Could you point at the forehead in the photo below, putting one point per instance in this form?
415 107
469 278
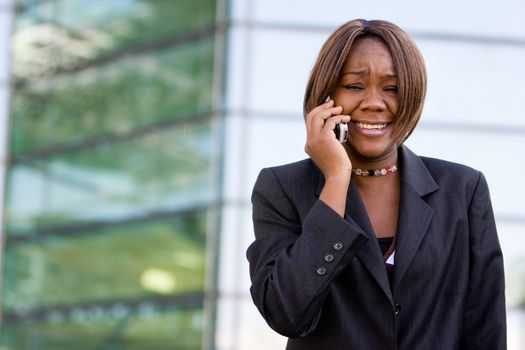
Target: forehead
369 51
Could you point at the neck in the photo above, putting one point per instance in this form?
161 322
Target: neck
385 161
363 156
376 183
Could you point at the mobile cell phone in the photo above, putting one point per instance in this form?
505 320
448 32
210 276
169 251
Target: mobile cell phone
341 132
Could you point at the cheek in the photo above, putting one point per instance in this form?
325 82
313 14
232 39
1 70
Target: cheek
349 103
393 106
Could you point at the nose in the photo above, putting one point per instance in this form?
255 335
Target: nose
372 101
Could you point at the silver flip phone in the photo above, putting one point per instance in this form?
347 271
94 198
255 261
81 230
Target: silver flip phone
341 132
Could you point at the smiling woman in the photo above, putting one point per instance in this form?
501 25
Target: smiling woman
408 65
366 245
367 90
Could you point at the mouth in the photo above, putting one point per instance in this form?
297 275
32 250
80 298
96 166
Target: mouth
366 128
370 126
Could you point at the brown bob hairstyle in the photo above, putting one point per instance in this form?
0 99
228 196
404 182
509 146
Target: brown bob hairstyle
408 64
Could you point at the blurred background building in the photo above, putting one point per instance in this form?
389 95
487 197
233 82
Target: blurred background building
131 132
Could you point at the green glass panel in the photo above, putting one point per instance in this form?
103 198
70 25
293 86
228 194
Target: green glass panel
135 91
104 154
163 170
123 262
100 329
51 35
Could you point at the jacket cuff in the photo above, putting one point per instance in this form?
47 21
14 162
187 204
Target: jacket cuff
329 238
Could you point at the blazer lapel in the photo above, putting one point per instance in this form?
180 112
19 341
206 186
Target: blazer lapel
370 254
415 214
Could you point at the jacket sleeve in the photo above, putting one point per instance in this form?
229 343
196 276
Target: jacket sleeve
293 263
484 321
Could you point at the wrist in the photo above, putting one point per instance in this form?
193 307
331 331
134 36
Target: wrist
335 191
340 177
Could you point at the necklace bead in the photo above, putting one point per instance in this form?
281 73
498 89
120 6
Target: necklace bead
375 172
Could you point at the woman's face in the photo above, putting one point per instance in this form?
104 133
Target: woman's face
367 91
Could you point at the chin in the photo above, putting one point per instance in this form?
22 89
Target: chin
372 151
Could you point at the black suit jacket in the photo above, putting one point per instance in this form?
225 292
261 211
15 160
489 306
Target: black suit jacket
447 291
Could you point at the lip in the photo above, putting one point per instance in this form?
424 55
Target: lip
369 132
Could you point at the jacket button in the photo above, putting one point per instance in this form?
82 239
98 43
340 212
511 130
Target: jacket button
329 258
338 246
397 309
321 271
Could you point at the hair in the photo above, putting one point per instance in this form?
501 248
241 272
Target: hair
408 64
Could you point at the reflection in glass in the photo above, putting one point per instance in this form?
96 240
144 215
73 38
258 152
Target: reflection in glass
162 171
63 34
149 327
119 262
108 185
115 98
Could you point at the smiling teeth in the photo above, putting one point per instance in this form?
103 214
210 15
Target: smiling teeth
371 126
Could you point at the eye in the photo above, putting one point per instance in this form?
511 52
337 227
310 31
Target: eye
354 86
391 88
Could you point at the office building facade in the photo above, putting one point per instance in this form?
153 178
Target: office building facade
133 131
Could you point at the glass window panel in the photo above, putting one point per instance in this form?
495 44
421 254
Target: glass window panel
119 262
164 170
50 35
135 91
103 156
151 327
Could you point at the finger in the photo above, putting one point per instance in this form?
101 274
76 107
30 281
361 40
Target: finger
331 112
337 119
320 116
316 123
321 107
333 121
346 118
326 104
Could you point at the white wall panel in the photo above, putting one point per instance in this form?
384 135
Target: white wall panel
282 62
274 141
515 327
512 240
499 156
254 333
236 236
474 83
468 82
474 53
239 69
237 145
246 329
490 18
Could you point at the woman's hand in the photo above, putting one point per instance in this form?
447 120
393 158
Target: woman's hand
329 154
321 145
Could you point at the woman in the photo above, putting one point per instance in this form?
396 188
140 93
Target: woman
366 245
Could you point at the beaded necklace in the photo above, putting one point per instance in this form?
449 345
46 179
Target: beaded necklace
375 172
